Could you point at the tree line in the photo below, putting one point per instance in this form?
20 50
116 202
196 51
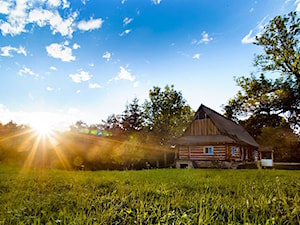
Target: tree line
139 137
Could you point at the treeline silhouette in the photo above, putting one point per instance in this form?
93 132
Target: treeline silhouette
137 138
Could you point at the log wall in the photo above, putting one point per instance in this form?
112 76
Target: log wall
197 153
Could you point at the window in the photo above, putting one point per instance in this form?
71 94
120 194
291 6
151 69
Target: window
208 150
233 151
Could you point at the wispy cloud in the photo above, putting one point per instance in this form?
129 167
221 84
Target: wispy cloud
156 2
49 89
94 85
125 32
53 68
107 56
123 1
127 21
196 56
26 71
7 51
92 24
204 40
124 74
60 51
297 3
80 76
253 33
249 38
136 84
76 46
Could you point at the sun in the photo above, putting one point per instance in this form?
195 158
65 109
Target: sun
43 128
41 124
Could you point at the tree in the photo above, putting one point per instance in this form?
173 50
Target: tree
166 114
262 96
282 140
78 126
255 123
132 117
113 124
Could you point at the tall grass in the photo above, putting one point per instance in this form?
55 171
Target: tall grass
167 196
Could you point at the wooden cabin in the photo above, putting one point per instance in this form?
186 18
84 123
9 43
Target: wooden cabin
212 140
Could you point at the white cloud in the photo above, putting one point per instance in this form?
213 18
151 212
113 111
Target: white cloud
136 84
91 64
156 2
19 13
78 91
123 1
94 85
125 32
60 51
196 56
66 4
124 75
248 38
53 3
40 16
205 38
7 50
4 7
43 17
297 2
127 21
107 56
25 70
49 89
76 46
92 24
53 68
16 17
80 76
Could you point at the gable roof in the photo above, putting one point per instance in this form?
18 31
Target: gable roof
231 132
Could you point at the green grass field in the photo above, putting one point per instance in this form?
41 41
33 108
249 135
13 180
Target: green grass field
164 196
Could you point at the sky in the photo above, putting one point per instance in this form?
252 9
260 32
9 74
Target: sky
64 61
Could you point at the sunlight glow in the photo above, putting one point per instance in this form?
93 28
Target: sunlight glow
41 124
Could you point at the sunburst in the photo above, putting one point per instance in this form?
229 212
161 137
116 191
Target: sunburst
45 138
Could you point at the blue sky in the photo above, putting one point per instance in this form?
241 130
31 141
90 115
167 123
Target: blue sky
64 61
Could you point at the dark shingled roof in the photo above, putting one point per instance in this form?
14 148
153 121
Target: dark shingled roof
231 132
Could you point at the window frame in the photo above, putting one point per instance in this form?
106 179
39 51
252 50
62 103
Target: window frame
233 151
210 150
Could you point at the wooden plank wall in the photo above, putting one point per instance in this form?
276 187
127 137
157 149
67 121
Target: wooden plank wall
202 127
196 153
238 153
183 152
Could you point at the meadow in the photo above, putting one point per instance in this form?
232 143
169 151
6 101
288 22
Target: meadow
158 196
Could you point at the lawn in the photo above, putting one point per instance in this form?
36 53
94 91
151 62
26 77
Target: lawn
162 196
